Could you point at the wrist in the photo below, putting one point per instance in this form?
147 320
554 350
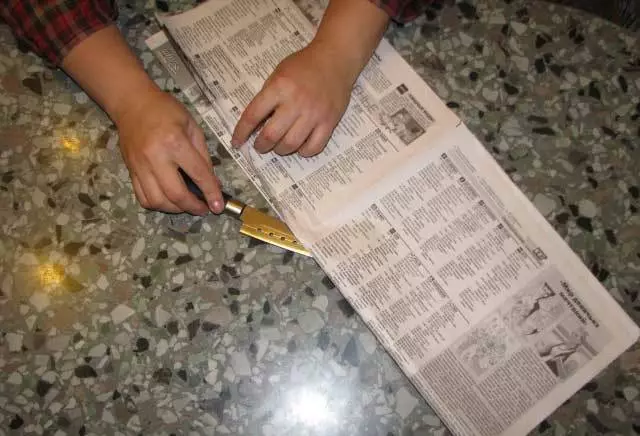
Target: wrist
129 103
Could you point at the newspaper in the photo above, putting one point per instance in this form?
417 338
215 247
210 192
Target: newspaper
483 306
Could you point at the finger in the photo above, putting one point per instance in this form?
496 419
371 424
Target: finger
140 195
275 129
295 137
198 140
262 105
156 198
317 141
200 171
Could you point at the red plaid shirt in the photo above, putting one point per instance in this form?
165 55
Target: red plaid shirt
51 28
402 11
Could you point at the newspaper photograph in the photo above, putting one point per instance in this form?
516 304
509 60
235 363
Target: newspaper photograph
471 291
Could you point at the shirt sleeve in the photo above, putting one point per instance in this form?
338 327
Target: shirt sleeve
51 28
402 11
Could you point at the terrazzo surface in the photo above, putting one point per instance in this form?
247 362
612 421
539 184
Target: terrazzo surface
116 320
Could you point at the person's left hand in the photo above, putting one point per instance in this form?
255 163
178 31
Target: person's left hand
299 105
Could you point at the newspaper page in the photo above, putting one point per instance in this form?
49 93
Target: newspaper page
480 302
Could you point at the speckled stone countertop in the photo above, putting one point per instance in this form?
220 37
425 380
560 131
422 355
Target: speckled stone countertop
115 320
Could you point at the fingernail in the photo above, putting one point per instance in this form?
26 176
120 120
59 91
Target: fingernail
217 206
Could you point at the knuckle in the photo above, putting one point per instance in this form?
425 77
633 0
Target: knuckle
270 135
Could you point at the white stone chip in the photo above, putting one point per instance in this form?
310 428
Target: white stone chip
405 403
121 313
137 249
40 301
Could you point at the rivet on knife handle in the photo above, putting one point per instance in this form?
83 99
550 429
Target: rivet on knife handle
231 206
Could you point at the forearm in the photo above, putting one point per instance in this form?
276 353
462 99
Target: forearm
105 67
349 32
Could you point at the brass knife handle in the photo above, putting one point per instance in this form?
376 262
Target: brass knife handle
231 206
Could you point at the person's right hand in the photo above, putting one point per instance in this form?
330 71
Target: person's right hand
158 136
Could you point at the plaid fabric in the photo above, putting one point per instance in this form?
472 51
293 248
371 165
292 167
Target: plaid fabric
51 28
402 11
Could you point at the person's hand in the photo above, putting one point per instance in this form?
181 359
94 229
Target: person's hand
299 105
158 136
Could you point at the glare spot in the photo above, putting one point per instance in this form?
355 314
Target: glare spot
71 143
310 408
51 274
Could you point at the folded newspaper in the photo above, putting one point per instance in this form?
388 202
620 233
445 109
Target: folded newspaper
483 306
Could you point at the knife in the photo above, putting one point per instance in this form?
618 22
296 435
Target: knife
255 224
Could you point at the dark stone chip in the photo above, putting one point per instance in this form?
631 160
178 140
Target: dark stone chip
608 131
209 326
142 345
82 431
537 119
468 10
577 157
594 92
556 69
234 291
574 209
544 131
33 83
634 191
540 66
623 84
585 223
346 308
193 328
287 257
597 424
16 422
189 306
234 307
239 257
196 227
611 237
309 292
593 182
544 426
162 5
230 270
84 198
473 76
452 105
72 248
287 301
292 346
116 395
145 281
85 371
163 376
249 318
326 281
181 260
323 340
603 275
172 327
541 40
253 348
182 374
350 353
43 387
266 307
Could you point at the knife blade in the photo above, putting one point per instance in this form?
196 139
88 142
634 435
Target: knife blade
255 224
